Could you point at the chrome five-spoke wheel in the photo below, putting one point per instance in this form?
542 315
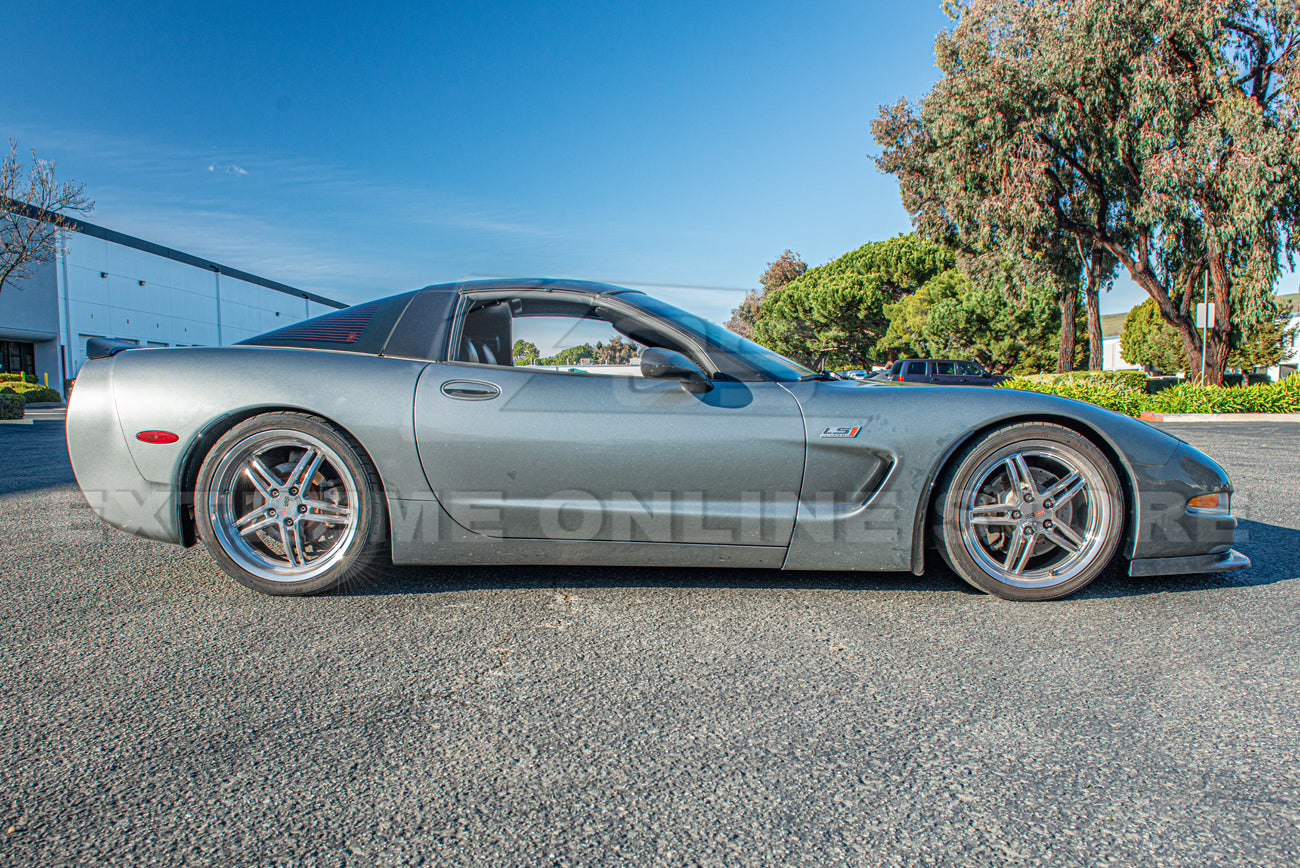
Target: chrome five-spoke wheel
1032 511
286 503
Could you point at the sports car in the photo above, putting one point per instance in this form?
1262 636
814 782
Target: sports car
566 422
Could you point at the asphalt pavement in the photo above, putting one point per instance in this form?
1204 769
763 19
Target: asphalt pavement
152 711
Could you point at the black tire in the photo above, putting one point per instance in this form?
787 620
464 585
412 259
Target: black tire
288 504
1032 511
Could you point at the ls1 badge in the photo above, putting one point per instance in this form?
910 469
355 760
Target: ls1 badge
842 432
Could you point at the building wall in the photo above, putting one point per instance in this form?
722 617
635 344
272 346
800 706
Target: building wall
1113 357
125 288
29 313
116 291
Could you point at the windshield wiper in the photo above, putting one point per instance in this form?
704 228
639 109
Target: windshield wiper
820 375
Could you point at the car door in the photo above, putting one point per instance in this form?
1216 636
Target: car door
972 374
533 453
915 372
945 373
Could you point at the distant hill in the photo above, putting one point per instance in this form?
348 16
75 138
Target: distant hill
1112 324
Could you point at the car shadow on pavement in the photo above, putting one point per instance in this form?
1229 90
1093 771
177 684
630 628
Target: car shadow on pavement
423 580
34 457
1273 551
1271 548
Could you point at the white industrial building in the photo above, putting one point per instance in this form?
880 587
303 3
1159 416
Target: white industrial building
107 284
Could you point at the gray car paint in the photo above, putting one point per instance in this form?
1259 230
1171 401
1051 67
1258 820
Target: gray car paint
649 460
862 501
914 429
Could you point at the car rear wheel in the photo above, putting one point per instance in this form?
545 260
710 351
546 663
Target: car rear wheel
288 504
1029 512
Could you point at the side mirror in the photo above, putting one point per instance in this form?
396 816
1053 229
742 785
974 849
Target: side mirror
660 364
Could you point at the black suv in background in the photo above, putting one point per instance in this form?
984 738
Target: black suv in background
943 372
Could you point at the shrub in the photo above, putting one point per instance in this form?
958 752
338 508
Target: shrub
1283 397
1111 394
41 394
32 393
1117 395
11 404
1127 379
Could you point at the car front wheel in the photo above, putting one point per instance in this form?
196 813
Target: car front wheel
1032 511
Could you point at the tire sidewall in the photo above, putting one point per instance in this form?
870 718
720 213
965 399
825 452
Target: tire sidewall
364 546
948 515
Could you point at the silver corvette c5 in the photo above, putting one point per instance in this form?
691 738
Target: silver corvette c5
424 429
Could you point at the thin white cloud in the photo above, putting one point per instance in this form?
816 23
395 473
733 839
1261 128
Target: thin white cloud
149 189
403 202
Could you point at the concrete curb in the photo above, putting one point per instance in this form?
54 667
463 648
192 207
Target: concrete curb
46 405
16 421
1220 417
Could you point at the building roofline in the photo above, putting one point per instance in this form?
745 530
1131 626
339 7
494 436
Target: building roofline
82 227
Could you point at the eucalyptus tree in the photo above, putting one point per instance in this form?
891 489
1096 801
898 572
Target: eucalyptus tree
1150 341
1162 135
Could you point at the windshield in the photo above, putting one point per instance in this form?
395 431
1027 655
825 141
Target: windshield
760 358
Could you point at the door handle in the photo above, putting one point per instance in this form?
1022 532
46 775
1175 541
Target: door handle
470 390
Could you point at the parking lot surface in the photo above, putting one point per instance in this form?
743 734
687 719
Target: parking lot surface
153 711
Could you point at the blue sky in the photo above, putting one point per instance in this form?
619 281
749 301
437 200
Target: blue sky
358 150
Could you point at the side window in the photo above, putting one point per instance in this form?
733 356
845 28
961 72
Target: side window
575 345
943 369
970 369
549 335
916 369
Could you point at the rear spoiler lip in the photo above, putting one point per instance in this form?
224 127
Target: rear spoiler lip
103 348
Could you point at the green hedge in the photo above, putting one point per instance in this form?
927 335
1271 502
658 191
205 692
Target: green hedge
1095 390
32 393
17 378
1283 397
1128 379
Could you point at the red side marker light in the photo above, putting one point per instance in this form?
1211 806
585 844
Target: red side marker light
157 437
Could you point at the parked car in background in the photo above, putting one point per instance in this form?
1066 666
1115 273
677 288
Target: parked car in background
944 372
